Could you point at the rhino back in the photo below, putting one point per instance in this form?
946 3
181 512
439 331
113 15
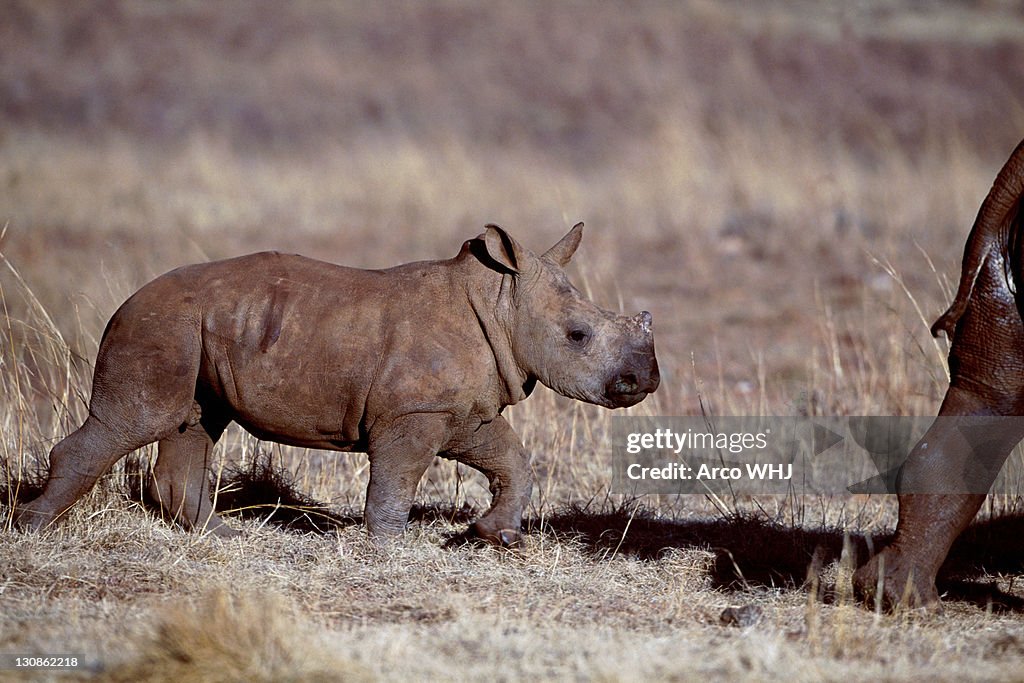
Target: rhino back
312 353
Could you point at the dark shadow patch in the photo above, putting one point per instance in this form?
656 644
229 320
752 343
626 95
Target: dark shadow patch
19 488
137 474
752 550
465 537
988 548
263 491
266 492
460 516
259 490
986 595
443 512
990 545
748 550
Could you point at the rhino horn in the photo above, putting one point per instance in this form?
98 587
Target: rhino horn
643 320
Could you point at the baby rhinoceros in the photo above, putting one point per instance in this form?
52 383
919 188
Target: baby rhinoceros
403 364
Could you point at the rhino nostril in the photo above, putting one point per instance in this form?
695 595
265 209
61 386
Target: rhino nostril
626 384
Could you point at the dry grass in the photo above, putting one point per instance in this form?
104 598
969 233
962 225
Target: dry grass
786 187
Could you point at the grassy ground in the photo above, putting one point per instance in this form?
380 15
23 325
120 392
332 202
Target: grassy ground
787 188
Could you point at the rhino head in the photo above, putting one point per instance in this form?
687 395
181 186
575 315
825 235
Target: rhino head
559 337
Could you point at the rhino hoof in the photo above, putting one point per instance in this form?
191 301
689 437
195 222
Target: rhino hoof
30 520
900 588
506 538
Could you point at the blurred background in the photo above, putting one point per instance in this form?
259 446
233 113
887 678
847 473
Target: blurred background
786 185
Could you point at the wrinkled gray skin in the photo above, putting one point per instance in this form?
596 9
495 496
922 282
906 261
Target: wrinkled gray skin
986 363
403 364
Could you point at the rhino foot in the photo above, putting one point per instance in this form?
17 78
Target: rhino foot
219 528
30 519
901 586
503 537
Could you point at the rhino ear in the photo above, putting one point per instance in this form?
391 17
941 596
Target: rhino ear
566 247
503 249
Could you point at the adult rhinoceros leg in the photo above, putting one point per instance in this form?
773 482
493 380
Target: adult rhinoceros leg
945 477
497 452
986 364
957 459
181 480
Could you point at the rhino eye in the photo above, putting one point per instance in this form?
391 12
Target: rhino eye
578 336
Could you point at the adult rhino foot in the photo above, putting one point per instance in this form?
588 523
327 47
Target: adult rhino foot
901 587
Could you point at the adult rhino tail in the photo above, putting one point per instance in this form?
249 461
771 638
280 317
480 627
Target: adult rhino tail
995 228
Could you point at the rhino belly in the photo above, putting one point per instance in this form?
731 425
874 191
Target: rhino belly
287 397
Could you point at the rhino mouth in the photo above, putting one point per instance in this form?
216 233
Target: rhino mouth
627 390
625 400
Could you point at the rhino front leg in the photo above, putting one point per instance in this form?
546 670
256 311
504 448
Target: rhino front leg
399 456
181 481
497 452
957 467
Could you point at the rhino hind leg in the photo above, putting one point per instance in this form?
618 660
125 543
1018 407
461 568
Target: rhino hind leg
181 482
944 479
143 391
76 463
904 573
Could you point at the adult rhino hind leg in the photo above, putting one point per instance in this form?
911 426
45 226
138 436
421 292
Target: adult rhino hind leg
181 481
947 459
986 366
945 478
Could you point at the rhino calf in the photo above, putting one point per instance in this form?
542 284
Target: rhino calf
403 364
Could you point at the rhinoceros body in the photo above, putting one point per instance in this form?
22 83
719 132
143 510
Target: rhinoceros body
404 364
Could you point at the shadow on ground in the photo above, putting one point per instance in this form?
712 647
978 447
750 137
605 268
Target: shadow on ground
750 550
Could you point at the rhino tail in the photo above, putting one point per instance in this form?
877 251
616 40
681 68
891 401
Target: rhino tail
992 230
973 261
